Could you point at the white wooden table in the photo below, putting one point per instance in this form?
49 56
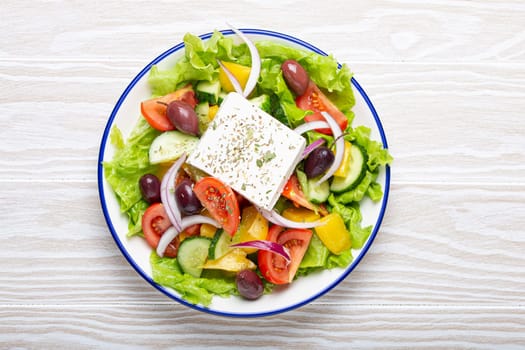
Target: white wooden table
447 269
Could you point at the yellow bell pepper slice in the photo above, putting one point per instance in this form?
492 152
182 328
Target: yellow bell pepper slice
241 73
212 111
333 233
300 214
234 261
344 168
208 230
253 227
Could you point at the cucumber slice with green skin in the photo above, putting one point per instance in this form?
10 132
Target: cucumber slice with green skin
170 145
202 110
356 173
263 102
222 96
208 91
192 254
220 245
315 193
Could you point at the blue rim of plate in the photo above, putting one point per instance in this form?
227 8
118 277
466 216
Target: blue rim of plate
162 289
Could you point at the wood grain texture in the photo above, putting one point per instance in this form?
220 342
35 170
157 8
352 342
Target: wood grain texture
399 31
446 270
312 327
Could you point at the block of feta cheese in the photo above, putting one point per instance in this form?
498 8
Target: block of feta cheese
249 150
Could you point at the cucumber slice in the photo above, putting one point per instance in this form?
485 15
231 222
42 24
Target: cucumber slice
315 193
356 173
222 96
203 110
208 91
193 252
170 145
263 102
220 245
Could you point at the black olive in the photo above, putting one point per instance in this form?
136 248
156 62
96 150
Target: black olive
318 161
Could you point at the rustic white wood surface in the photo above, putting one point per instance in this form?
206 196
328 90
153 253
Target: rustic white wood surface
447 269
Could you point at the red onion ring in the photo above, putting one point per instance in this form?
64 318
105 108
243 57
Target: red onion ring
256 62
266 245
312 146
168 236
277 219
167 190
339 147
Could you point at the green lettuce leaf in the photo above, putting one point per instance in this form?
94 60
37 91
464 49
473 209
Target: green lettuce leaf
271 82
129 163
352 217
375 192
323 70
199 63
377 155
167 272
316 255
341 260
358 193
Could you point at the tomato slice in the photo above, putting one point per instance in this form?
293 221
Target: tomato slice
273 267
316 101
155 112
220 201
292 190
297 241
155 222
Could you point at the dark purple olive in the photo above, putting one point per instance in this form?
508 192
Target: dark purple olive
249 284
183 117
318 162
186 199
150 188
295 76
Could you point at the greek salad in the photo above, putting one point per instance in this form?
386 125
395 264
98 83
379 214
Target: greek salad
244 170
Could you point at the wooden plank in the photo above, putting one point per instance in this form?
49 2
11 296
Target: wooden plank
462 246
379 31
446 270
450 122
311 327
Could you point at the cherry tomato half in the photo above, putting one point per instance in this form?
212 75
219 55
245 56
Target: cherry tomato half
154 110
314 100
220 201
273 267
155 222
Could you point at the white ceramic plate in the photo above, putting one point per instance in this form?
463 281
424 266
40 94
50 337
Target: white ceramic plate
136 250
